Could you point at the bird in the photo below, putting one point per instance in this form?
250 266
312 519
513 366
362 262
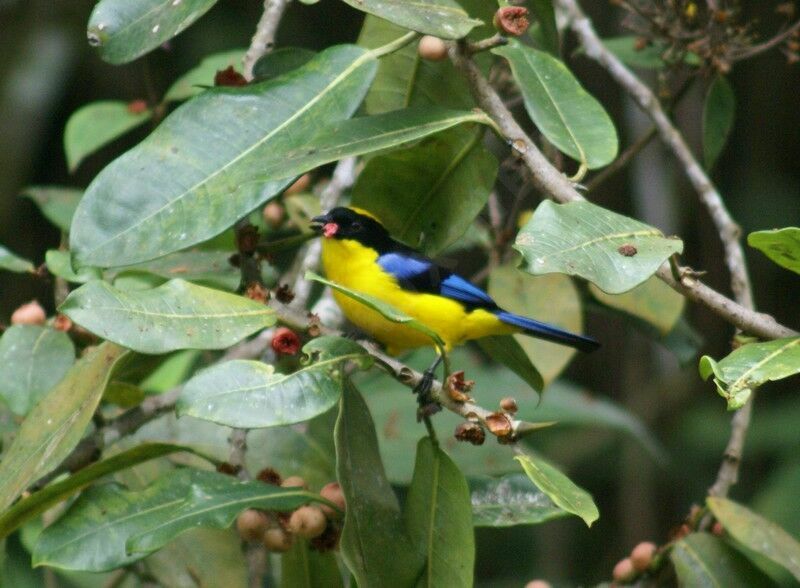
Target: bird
359 253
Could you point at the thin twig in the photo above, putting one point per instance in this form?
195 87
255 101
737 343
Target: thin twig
550 181
766 45
264 38
487 44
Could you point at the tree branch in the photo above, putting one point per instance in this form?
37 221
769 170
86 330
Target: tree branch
264 37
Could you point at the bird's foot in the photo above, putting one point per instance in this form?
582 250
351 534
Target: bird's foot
427 404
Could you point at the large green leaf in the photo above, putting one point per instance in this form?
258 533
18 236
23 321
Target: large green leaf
757 533
57 204
413 190
559 488
250 394
373 524
95 125
201 77
718 113
34 359
172 191
215 501
177 315
552 298
56 492
652 301
506 350
91 535
744 370
510 500
303 567
615 252
439 519
562 110
283 60
124 30
57 423
210 268
441 18
704 561
14 263
781 245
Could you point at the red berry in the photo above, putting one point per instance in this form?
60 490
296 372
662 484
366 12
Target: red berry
285 341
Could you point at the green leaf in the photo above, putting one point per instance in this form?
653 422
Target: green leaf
305 567
215 501
91 535
757 533
719 110
441 18
412 190
56 203
505 349
510 500
250 394
439 519
14 263
34 359
124 30
177 315
744 370
781 245
156 198
281 61
57 423
95 125
704 561
386 310
373 524
123 394
652 301
52 494
547 31
59 263
562 110
559 488
552 298
615 252
201 77
210 268
172 371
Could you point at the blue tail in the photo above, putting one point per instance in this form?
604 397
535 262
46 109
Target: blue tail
548 332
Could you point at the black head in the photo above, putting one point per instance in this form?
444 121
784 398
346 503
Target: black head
347 223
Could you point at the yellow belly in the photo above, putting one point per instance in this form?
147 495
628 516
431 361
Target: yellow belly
352 265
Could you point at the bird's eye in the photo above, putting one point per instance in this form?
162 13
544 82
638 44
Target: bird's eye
356 226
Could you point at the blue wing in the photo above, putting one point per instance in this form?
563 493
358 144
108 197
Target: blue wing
420 274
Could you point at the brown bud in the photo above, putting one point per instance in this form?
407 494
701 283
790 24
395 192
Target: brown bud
31 313
333 493
307 521
228 469
294 482
627 250
508 404
269 476
642 555
511 20
62 323
470 432
432 48
273 214
257 292
229 77
251 524
285 341
499 424
314 329
277 540
301 184
624 571
640 43
137 106
458 388
284 294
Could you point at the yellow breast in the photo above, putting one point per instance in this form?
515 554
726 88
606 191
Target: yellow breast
354 266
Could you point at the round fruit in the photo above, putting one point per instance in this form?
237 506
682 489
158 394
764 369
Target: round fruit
432 48
278 540
307 522
31 313
333 493
642 555
251 524
294 482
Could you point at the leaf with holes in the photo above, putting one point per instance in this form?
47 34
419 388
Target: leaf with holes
559 488
510 500
34 359
562 110
250 394
615 252
781 245
124 30
177 315
751 365
441 18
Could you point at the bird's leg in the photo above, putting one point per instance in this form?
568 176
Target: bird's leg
427 405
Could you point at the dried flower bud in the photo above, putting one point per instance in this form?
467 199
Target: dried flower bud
499 424
432 48
624 571
511 20
508 404
642 555
470 432
277 540
284 294
62 323
31 313
228 469
285 341
257 292
457 387
229 77
314 329
307 522
137 106
269 476
301 184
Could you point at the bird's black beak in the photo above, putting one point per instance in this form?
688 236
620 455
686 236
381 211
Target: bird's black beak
318 222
